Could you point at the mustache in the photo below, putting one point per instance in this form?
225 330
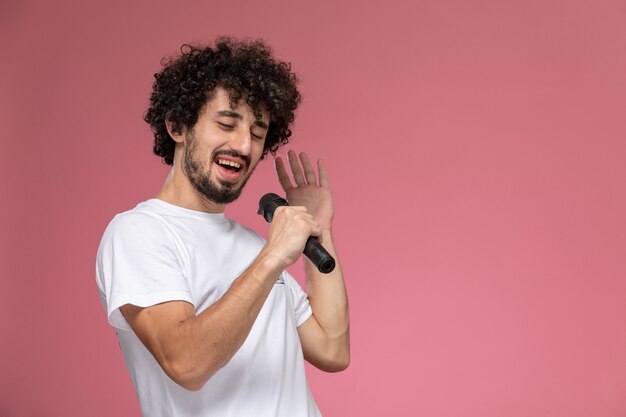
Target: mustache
233 154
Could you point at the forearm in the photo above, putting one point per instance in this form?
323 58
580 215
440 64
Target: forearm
329 302
204 343
195 347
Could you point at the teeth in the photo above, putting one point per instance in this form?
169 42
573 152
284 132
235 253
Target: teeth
229 163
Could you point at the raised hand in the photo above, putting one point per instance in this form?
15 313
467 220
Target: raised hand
308 191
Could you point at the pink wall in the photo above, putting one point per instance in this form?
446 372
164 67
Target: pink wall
476 152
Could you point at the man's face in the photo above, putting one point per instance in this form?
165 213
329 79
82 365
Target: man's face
223 148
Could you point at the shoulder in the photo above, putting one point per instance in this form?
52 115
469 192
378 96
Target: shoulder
139 219
137 227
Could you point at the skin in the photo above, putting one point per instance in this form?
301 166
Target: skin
191 348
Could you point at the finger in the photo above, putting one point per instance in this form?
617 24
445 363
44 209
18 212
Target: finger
315 228
309 221
288 212
309 172
295 168
293 208
323 174
283 177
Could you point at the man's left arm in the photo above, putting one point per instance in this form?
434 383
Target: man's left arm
324 336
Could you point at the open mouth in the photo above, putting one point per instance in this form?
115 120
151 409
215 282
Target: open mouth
228 165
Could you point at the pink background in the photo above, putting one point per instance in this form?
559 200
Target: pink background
476 153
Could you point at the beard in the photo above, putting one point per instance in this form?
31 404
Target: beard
199 175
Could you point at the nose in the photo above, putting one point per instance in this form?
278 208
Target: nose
241 142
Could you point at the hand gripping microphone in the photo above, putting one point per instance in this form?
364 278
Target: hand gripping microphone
313 250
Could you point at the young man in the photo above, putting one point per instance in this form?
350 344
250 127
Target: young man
208 321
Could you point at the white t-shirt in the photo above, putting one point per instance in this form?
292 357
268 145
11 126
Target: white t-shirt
160 252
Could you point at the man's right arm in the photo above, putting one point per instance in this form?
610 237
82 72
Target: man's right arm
191 348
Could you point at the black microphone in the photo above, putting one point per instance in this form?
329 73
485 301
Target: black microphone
313 250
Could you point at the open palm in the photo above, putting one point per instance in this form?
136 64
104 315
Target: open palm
309 192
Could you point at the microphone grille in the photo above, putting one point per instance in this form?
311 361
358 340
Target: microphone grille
268 203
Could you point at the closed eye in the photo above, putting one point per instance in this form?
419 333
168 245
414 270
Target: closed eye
226 126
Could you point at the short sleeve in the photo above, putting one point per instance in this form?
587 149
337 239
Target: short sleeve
301 306
139 262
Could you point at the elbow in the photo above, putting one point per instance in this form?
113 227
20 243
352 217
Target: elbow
190 383
332 356
334 363
339 356
188 375
339 363
345 363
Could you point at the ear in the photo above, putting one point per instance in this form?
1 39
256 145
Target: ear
177 134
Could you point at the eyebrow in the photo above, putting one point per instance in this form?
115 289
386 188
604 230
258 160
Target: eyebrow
235 115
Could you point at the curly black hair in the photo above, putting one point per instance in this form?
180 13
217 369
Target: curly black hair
245 69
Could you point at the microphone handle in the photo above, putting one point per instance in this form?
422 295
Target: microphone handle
319 256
